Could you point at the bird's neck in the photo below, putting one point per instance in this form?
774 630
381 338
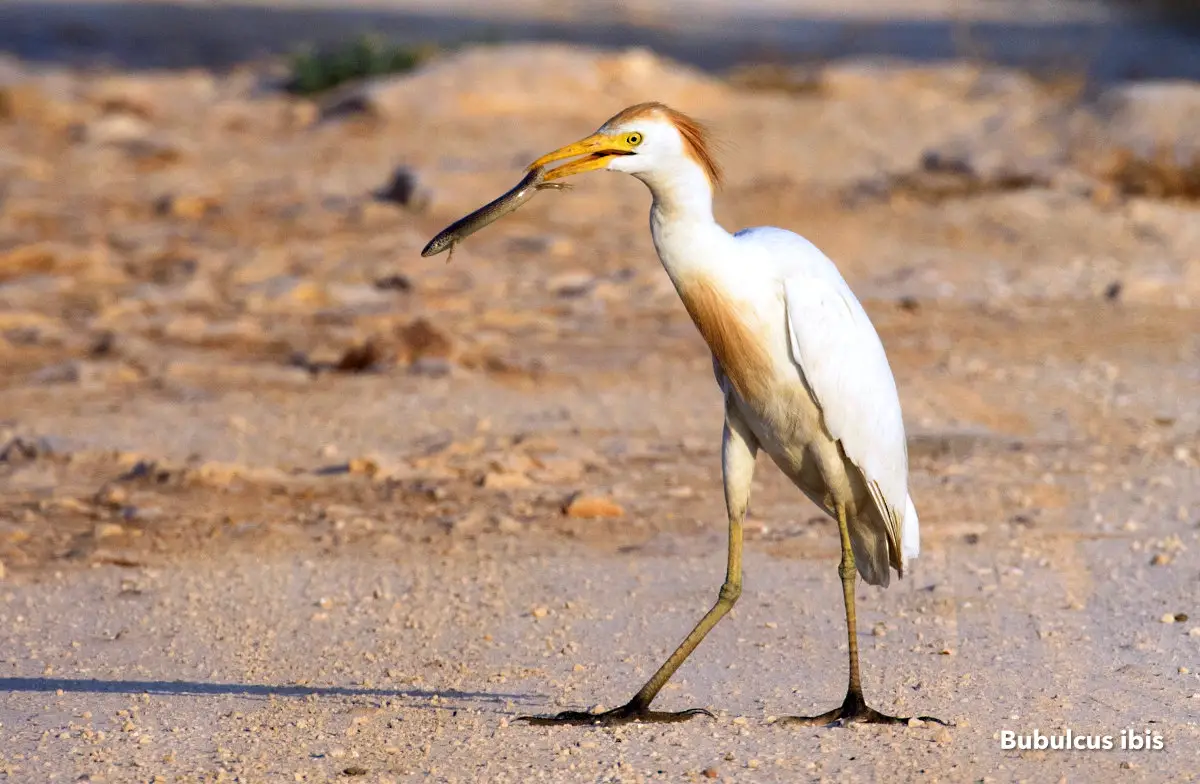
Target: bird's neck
686 235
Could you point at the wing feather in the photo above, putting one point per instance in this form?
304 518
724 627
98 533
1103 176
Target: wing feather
842 361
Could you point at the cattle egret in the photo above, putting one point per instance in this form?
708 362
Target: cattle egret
803 372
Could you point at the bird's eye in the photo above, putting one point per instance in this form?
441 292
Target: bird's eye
633 139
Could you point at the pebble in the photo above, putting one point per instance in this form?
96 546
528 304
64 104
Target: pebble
571 284
405 189
583 506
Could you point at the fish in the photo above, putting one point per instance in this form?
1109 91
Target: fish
491 212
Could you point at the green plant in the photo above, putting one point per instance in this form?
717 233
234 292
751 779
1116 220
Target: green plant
317 70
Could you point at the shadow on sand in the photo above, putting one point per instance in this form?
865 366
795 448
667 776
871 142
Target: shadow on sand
196 688
148 34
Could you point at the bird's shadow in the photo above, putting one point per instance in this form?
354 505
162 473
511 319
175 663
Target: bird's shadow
200 688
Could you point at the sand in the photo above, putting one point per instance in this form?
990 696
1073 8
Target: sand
280 500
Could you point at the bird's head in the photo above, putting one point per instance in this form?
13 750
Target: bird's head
650 141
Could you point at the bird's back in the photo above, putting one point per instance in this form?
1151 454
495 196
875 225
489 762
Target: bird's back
842 367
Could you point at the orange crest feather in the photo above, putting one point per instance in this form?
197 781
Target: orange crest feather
696 138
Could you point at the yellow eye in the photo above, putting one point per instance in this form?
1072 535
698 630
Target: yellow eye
633 139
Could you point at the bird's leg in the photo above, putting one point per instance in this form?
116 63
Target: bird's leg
738 467
638 708
854 708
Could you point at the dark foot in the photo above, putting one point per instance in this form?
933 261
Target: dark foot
622 715
854 709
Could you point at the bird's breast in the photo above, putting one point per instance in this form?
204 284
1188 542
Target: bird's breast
735 333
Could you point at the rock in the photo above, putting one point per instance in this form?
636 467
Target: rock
571 284
584 506
359 358
405 189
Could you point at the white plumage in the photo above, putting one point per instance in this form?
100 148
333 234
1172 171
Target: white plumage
804 373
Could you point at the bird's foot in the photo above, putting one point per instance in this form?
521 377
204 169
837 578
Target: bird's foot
854 710
630 712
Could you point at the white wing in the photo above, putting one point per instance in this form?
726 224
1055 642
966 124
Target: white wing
842 361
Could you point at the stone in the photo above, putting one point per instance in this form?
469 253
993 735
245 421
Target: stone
405 188
571 284
585 507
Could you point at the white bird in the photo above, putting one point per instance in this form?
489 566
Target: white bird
803 372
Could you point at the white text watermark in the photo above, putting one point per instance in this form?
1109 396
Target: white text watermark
1125 740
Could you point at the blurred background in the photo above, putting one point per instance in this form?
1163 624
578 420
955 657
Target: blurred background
1112 38
280 499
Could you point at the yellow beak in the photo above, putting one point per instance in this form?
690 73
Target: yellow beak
597 149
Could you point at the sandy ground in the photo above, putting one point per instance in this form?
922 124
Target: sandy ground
284 501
